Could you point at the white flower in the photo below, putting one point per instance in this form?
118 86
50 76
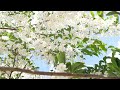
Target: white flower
23 52
61 67
9 31
69 48
98 73
108 60
28 39
105 74
5 37
117 55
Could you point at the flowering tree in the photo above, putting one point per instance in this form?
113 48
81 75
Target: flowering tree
58 37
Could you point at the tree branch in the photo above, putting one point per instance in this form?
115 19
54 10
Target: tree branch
54 73
15 53
21 72
9 28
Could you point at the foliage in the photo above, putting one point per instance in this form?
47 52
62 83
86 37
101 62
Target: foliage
58 37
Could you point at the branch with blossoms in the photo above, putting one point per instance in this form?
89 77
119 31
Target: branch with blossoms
55 73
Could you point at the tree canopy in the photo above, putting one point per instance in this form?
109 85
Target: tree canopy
59 37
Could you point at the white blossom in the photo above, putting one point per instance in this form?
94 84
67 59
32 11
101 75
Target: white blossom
61 67
36 33
5 37
108 60
105 74
98 73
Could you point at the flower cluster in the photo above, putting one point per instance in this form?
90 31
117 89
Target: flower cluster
47 31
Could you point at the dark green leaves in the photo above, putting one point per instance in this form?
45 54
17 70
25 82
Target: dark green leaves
85 40
86 52
70 36
117 62
69 66
112 13
100 13
117 18
89 70
92 13
75 67
114 66
103 48
59 35
100 67
95 48
116 14
68 29
50 35
60 58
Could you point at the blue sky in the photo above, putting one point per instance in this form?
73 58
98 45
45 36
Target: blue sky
89 60
109 41
41 63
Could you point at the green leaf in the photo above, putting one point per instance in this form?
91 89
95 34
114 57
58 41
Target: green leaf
105 58
77 65
56 61
6 25
66 38
50 35
69 29
31 49
117 62
60 35
19 29
100 13
70 36
61 57
100 62
103 48
94 48
114 68
12 37
111 47
18 41
85 40
96 67
111 13
86 52
117 18
97 42
80 45
25 46
113 58
94 53
92 13
68 65
90 69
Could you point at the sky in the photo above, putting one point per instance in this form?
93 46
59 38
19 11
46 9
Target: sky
89 60
109 41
